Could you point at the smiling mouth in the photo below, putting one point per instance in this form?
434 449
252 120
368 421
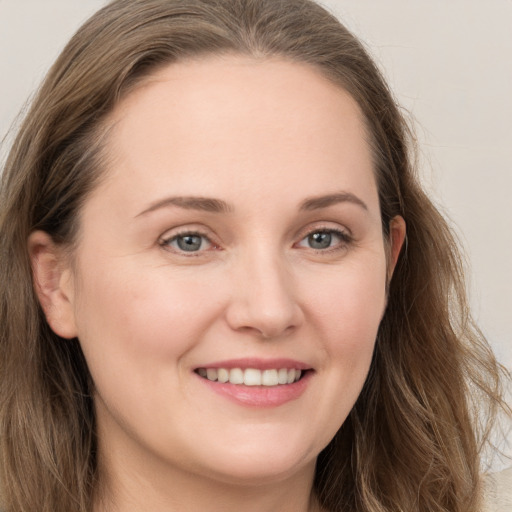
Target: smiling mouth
252 376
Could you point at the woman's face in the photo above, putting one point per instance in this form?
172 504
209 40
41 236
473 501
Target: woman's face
236 235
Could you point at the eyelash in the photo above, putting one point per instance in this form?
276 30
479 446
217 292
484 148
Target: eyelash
344 237
166 242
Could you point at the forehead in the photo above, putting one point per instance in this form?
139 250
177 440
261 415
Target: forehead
240 120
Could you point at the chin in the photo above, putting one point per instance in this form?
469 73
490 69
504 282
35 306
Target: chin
255 464
255 473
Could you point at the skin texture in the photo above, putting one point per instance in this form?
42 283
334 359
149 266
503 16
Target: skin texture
263 137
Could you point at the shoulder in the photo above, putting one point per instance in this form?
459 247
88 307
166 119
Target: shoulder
498 492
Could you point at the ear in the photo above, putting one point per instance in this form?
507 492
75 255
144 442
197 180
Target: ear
397 231
53 283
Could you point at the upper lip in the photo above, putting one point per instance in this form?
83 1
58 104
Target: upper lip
259 364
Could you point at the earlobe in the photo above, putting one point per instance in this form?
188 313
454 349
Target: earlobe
53 283
397 232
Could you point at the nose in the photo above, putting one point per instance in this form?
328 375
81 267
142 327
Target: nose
264 301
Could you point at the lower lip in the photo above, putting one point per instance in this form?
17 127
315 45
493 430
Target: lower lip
260 396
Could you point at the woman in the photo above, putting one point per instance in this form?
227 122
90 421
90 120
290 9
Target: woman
222 285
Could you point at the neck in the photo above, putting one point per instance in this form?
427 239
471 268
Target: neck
135 492
135 484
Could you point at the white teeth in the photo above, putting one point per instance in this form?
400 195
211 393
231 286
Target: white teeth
282 376
222 375
236 376
251 376
269 378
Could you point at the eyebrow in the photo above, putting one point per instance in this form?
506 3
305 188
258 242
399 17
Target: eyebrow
316 203
205 204
212 205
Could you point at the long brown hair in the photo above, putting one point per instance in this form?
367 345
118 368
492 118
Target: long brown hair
412 440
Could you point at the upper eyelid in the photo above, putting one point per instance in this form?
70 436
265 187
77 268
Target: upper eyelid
344 235
169 234
323 226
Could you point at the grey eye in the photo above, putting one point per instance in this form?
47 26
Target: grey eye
188 243
326 239
320 240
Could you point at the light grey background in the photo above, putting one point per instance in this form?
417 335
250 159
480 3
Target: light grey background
448 62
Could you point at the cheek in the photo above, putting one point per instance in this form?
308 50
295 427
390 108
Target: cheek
347 316
134 313
137 325
349 302
345 309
